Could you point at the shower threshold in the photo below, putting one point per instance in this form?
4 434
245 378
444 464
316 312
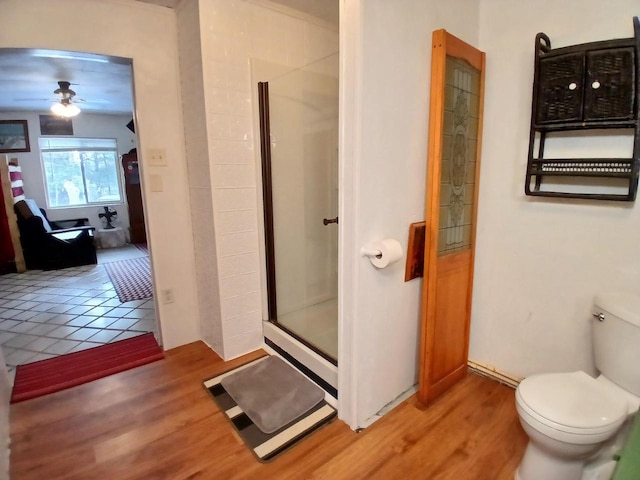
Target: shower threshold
316 367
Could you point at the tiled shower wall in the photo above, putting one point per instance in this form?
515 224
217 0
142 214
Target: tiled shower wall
195 125
224 164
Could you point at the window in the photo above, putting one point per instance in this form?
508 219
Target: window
80 171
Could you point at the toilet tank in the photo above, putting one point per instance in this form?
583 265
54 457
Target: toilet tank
616 339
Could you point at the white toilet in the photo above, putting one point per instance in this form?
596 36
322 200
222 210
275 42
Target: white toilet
571 417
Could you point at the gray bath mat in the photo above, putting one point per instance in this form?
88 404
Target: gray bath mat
267 446
272 393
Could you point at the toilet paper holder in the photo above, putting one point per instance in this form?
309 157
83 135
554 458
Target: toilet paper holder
367 251
382 253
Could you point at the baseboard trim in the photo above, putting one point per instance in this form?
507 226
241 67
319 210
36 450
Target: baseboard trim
491 372
387 408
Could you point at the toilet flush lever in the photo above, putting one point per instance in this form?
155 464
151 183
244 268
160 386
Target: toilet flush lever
599 316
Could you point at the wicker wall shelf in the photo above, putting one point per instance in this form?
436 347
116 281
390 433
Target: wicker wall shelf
592 86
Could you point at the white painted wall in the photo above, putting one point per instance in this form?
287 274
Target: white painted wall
148 35
85 125
385 73
539 262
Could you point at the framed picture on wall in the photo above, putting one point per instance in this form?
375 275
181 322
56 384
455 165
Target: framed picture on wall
14 136
52 125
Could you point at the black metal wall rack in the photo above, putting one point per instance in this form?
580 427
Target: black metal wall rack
591 86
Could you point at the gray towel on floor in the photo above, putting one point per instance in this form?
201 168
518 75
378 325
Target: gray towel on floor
272 393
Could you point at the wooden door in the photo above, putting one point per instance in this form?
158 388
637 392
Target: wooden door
137 231
455 131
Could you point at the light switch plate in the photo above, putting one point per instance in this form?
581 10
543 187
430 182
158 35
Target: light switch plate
157 157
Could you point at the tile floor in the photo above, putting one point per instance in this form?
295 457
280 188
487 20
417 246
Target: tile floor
45 314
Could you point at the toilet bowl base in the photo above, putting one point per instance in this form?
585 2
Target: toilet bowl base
537 464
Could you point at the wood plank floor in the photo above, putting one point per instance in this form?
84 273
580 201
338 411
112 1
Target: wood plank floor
158 422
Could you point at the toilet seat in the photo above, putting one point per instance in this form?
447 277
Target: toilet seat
570 403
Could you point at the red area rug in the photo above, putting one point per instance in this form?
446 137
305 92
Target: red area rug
131 278
66 371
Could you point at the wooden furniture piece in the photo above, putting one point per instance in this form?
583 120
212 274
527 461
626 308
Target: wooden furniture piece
137 232
10 176
457 94
591 86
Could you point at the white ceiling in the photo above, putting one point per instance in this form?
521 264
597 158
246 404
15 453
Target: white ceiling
102 84
28 78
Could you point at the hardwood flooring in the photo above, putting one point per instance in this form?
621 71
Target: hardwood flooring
158 422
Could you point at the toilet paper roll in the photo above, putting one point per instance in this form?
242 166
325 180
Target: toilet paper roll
390 252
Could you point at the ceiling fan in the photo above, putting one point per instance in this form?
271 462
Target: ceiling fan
64 91
65 108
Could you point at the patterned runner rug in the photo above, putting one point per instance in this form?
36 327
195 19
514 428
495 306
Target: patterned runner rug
131 278
143 247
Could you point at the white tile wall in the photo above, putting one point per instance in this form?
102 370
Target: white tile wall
231 265
238 243
243 343
199 176
234 199
240 284
235 326
236 221
241 305
226 35
233 175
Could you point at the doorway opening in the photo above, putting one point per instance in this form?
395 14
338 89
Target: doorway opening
71 173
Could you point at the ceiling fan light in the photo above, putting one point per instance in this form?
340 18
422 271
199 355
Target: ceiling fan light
72 110
65 110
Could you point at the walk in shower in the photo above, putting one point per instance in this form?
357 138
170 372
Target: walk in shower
299 147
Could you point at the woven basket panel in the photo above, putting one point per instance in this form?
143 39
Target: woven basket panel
614 70
556 101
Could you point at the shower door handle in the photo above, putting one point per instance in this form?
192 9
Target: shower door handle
327 221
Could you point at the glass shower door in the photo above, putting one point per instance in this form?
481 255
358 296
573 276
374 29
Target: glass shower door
301 218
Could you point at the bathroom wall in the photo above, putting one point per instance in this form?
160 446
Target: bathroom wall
232 33
385 71
539 262
85 125
147 34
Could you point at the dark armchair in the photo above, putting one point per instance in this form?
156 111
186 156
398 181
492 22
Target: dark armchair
49 245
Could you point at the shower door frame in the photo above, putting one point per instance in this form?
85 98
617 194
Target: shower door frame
267 198
269 231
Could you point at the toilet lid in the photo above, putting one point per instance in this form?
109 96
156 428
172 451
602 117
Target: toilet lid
574 400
